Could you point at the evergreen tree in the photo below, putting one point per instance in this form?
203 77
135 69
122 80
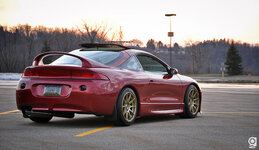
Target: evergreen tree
160 45
233 61
151 44
46 47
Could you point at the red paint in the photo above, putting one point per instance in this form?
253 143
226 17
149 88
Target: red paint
157 94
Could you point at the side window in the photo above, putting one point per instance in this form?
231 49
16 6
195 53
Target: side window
131 64
151 65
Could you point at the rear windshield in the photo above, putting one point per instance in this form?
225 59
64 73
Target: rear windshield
103 57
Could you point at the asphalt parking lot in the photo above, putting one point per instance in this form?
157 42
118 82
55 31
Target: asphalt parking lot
230 115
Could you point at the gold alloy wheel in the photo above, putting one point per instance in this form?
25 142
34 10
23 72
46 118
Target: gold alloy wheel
129 106
193 101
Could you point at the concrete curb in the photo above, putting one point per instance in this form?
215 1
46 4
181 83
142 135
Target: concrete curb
227 80
239 81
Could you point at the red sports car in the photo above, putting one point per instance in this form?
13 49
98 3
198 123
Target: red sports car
104 79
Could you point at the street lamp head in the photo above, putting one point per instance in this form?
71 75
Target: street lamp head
169 15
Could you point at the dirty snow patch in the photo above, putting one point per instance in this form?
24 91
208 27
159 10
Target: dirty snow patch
10 76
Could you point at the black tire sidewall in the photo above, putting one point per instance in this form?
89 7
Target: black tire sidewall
187 112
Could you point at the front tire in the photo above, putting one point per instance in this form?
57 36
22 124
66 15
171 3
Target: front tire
191 102
127 105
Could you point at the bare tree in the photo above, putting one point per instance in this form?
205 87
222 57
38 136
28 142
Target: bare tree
117 37
96 33
136 42
207 58
195 53
28 37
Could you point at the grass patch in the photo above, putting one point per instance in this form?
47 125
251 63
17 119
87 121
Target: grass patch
203 75
217 75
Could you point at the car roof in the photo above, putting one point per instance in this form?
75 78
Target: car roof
116 47
110 47
136 52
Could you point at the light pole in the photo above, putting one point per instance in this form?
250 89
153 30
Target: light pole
170 34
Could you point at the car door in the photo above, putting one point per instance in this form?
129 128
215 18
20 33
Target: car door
164 89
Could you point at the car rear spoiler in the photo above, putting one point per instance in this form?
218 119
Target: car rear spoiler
85 63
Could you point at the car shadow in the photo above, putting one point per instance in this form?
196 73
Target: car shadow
96 121
156 118
82 122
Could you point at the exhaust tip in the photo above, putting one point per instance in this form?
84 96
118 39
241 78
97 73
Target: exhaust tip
83 87
23 85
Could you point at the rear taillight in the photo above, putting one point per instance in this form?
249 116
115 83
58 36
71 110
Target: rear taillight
54 73
30 73
88 75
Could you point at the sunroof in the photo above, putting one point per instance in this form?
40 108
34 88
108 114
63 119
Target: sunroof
103 47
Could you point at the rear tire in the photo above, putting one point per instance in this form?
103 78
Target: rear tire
41 119
191 102
127 106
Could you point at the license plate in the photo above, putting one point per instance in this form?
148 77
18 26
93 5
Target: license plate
50 90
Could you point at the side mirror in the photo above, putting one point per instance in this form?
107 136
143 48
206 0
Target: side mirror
173 71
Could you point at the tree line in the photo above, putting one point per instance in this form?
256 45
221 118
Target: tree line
207 56
20 44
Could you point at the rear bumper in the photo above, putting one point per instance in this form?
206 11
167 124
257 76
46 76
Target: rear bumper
98 98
